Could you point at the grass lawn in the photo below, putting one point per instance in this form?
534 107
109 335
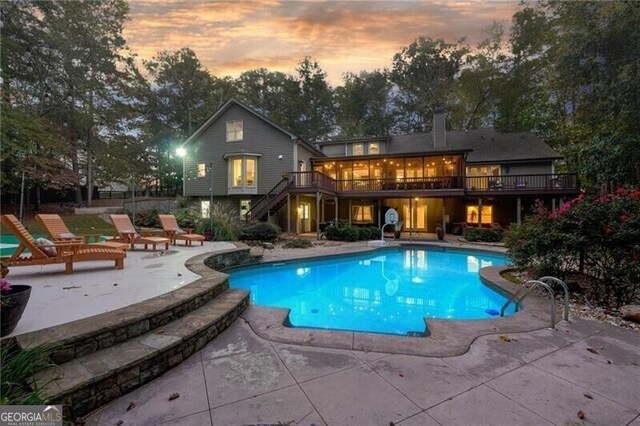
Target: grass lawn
78 224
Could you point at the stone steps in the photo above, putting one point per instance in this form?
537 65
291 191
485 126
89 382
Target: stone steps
86 382
82 337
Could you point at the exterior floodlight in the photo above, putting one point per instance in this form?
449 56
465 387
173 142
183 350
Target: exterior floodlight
181 152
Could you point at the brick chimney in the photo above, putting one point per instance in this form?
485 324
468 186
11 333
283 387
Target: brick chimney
439 128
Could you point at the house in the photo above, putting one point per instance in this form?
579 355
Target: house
475 177
241 155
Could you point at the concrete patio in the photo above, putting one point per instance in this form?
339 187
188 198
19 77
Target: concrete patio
585 372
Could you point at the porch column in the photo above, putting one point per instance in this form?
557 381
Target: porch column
519 211
297 214
553 204
410 218
379 213
349 211
480 212
444 217
318 199
336 217
288 213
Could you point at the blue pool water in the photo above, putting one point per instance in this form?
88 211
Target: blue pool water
388 291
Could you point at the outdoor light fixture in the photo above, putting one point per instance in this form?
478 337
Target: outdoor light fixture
181 152
280 157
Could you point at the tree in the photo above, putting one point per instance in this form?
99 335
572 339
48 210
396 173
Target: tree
424 73
181 95
67 65
596 51
315 110
272 93
476 89
363 105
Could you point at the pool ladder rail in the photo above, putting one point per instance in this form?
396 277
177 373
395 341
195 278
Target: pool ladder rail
545 283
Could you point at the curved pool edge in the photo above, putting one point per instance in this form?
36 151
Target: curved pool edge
447 337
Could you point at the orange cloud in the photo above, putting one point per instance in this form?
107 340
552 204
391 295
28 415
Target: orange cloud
231 37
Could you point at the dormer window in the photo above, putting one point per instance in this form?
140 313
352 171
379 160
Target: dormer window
374 148
358 149
234 131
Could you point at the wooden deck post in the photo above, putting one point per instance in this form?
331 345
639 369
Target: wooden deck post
350 213
480 212
444 216
318 199
336 217
519 211
379 213
288 213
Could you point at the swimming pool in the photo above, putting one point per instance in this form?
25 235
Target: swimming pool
386 291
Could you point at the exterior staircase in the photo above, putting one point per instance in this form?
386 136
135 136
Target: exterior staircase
271 202
294 182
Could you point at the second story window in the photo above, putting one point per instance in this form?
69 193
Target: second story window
358 149
243 173
234 131
374 148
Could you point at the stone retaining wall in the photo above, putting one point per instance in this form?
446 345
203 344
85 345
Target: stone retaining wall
88 399
223 260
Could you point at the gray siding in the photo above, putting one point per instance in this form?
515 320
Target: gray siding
305 155
259 137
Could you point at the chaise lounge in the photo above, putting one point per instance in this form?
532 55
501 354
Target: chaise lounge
46 253
174 232
58 232
126 233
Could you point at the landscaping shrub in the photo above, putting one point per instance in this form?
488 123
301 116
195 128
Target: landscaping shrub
368 233
261 231
187 217
226 223
345 232
298 243
146 218
484 235
18 368
597 237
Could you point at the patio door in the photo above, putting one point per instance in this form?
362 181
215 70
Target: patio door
304 218
415 218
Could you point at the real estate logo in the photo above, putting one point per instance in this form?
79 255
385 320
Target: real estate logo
31 415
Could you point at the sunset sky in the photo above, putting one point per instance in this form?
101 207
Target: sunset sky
232 37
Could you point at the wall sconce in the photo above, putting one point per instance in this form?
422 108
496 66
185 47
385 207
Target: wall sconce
280 157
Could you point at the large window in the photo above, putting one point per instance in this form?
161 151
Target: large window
234 131
374 148
362 214
358 149
243 174
479 177
487 214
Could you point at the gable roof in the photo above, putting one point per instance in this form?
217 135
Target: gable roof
262 117
485 145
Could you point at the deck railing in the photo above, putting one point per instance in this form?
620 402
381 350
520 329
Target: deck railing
537 182
312 180
400 184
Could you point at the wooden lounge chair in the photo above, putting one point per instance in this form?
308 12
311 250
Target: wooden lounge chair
174 232
65 252
126 233
58 232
